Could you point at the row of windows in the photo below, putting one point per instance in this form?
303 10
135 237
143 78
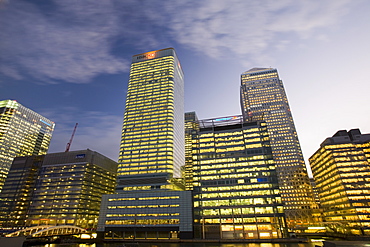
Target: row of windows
217 169
143 215
242 211
143 198
258 186
236 175
133 172
144 222
144 206
143 167
238 193
255 165
236 202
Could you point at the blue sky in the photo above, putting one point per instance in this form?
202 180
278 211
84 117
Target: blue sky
69 60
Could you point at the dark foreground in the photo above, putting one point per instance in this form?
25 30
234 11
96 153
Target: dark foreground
294 242
137 244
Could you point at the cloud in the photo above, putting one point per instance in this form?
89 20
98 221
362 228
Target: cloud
74 41
58 42
97 131
249 27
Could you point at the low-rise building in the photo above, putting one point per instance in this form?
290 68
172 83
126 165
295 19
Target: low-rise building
147 215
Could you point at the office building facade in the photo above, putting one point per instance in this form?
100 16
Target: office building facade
341 171
57 189
151 202
17 193
23 132
147 215
191 133
236 191
263 96
152 143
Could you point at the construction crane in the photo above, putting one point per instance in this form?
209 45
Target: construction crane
70 141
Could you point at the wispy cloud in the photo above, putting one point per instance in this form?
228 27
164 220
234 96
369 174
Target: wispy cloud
97 131
62 42
249 27
73 41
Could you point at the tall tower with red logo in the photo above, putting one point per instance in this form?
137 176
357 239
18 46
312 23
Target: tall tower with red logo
152 148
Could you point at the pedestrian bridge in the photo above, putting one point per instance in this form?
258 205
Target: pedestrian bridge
47 231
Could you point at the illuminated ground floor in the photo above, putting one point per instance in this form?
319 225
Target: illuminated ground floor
144 233
241 228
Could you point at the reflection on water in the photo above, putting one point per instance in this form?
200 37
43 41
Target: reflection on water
316 243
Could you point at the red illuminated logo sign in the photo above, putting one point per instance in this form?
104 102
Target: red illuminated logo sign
147 56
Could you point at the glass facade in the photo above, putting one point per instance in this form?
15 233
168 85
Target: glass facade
191 131
341 170
236 192
151 202
18 189
263 96
152 144
57 189
22 132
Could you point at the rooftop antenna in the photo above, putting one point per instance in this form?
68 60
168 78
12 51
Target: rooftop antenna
70 141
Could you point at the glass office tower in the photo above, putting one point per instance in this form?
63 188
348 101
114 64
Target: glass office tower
152 144
236 191
263 96
151 202
23 132
341 169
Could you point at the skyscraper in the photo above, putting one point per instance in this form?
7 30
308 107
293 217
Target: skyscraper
23 132
150 200
263 96
152 144
236 192
341 169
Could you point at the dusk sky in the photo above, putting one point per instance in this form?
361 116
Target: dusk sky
69 60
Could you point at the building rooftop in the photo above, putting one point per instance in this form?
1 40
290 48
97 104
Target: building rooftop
344 136
254 70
